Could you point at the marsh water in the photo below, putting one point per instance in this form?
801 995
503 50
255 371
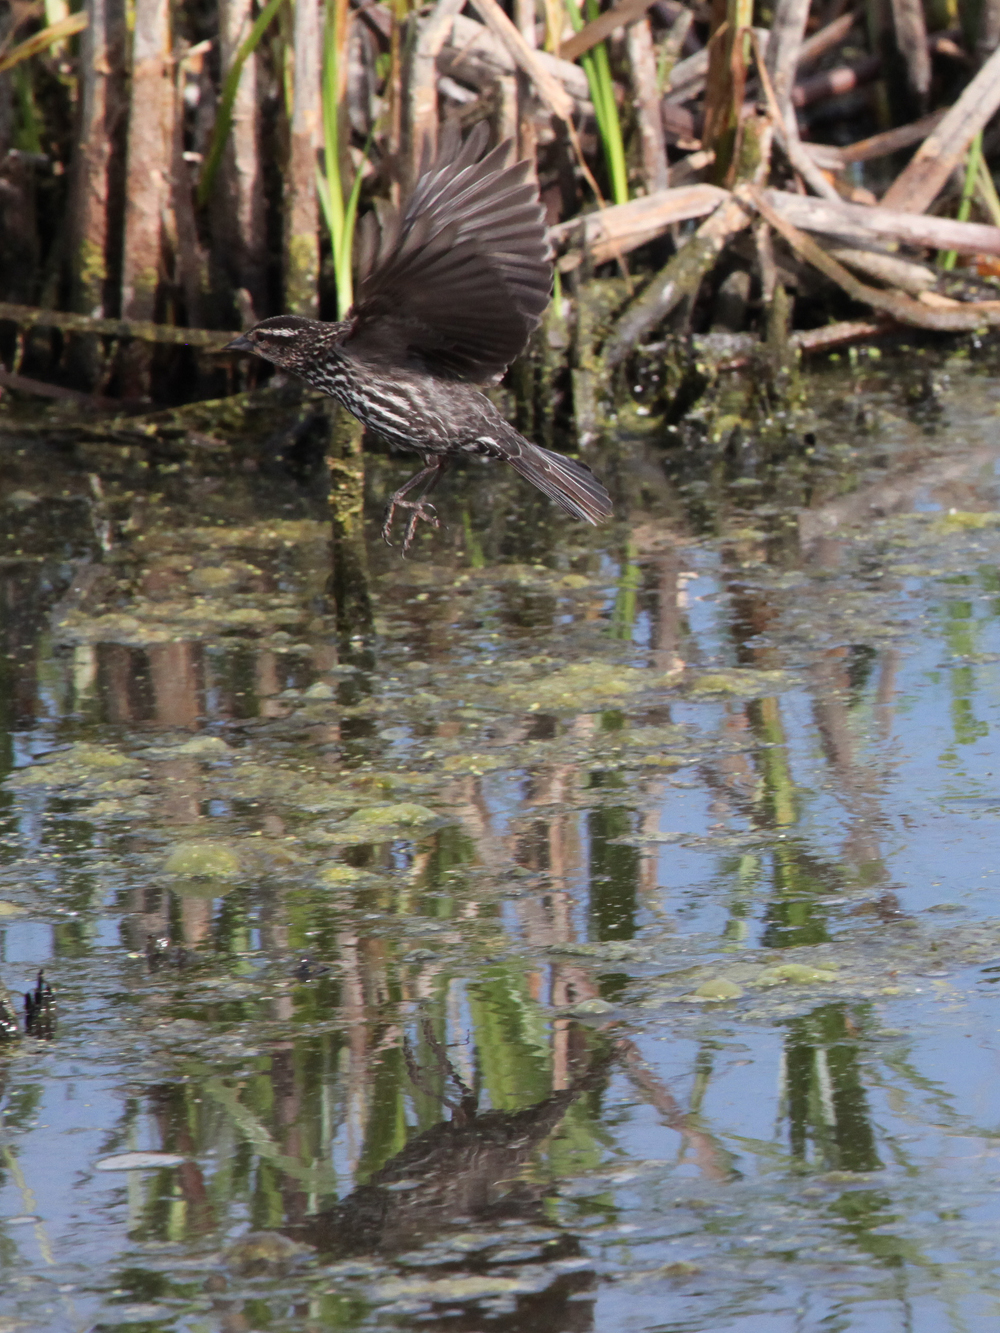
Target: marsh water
604 936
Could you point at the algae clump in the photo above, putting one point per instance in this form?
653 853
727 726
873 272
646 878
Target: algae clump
799 974
582 685
377 820
718 989
202 860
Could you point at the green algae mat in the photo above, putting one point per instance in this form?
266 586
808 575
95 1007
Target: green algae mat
604 934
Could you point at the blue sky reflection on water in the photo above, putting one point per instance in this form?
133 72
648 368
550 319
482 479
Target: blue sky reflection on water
505 1092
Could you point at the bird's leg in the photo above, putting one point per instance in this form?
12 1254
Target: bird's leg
430 475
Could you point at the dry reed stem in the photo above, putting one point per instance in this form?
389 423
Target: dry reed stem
958 319
646 99
863 222
923 178
621 16
301 205
911 38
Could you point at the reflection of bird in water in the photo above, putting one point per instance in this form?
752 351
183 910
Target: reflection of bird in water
463 1171
459 285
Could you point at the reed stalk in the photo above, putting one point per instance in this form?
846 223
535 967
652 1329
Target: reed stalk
597 66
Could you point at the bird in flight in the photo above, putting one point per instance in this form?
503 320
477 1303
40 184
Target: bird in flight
458 286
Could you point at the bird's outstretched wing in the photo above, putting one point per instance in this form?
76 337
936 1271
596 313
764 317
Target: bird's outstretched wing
462 279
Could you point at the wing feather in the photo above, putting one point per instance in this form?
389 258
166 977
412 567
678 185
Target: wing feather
463 277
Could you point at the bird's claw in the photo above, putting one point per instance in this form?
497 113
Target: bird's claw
421 509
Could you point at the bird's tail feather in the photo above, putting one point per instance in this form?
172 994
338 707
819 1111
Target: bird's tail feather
570 484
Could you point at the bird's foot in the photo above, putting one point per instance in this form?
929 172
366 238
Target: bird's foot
420 509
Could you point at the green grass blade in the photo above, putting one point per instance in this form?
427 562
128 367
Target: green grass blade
597 67
972 161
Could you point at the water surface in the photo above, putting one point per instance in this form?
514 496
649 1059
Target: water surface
606 937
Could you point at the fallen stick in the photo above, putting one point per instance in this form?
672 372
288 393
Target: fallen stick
947 317
26 317
825 39
921 180
891 141
623 227
679 278
864 222
41 389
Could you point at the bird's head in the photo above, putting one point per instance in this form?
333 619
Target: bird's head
289 341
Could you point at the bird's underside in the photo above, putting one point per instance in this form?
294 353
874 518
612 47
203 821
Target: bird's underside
459 284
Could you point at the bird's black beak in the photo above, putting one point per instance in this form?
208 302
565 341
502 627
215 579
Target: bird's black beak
240 344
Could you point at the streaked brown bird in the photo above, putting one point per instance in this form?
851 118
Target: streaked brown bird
459 284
